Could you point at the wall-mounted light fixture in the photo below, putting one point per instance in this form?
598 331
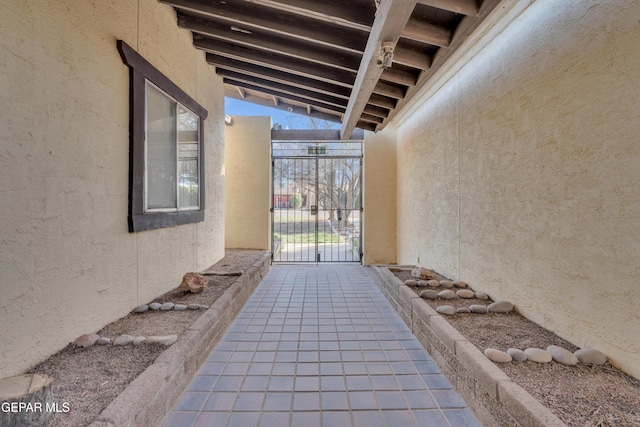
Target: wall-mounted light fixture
385 55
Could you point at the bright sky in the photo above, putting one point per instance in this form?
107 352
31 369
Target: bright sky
235 107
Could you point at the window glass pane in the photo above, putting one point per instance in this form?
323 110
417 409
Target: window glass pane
189 188
161 150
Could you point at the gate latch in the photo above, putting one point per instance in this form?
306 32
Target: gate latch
314 210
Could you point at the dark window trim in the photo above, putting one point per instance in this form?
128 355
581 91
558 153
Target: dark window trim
141 70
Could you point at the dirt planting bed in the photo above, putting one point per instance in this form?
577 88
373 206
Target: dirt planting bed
581 395
89 379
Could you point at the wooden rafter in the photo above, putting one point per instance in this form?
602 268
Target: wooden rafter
271 42
391 18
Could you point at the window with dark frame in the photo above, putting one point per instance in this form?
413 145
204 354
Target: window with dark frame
166 157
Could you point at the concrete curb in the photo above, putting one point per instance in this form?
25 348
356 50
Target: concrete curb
149 398
487 390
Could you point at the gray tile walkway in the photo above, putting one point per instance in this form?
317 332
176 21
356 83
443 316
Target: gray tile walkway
319 346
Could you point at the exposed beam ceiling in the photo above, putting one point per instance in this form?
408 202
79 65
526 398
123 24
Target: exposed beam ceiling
320 57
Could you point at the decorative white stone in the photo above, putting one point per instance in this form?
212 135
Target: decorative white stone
465 293
193 306
422 283
433 283
165 339
86 340
410 282
141 308
167 306
459 284
179 307
155 306
501 307
103 341
517 354
446 283
447 294
138 340
463 310
429 294
479 309
123 340
481 295
591 356
203 307
562 355
446 309
497 355
538 355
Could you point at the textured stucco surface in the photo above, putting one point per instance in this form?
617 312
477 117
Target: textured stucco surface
68 265
521 174
379 216
248 183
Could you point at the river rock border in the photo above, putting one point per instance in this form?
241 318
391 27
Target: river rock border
147 399
488 391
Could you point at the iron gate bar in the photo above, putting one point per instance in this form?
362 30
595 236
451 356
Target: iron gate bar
348 247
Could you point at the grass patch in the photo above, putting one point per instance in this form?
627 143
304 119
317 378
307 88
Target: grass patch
310 237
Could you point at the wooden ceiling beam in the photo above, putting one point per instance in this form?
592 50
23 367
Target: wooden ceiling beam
403 77
390 90
371 119
382 101
271 87
391 18
278 76
360 17
272 42
287 65
286 107
463 7
411 58
376 111
426 32
284 92
249 16
366 126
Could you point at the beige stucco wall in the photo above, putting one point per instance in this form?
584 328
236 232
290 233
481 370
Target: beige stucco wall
521 174
379 188
68 265
248 183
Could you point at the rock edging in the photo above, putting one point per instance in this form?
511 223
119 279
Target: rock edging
148 398
487 390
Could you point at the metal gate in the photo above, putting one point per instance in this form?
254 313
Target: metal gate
316 211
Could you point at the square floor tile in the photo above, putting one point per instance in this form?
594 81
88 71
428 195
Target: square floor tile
391 400
362 400
220 401
431 418
249 401
191 401
336 418
368 418
277 402
243 419
399 418
307 384
306 419
208 419
306 401
182 419
447 399
332 400
274 419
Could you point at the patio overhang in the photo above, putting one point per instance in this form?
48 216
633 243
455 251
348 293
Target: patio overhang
357 63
